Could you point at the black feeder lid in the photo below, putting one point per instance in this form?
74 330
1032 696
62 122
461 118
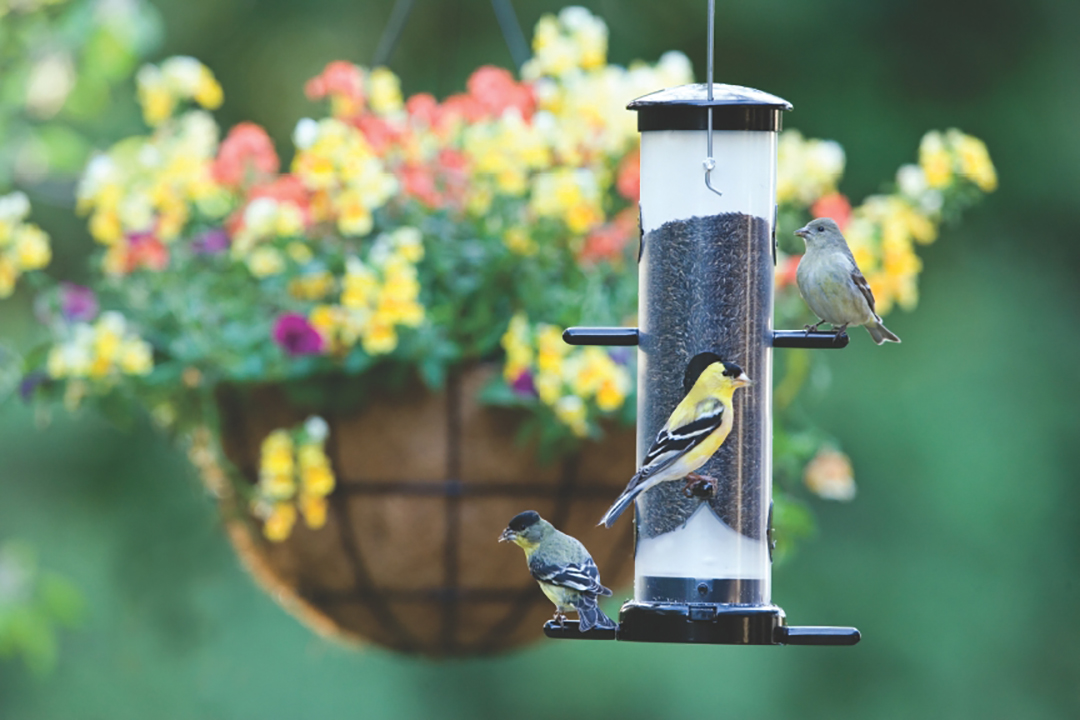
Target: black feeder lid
686 108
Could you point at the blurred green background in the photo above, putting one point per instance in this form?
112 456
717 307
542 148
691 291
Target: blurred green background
958 559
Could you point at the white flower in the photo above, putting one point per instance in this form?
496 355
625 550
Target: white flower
912 180
14 207
259 216
182 73
316 428
305 134
51 80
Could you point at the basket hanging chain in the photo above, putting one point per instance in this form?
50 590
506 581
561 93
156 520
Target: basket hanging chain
504 13
710 163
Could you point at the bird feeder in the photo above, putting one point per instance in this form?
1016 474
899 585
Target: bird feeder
702 564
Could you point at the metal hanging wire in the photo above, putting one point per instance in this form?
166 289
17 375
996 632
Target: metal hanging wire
504 13
710 162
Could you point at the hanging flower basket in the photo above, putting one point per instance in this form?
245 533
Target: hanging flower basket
425 483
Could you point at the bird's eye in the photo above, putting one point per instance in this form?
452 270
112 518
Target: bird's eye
820 229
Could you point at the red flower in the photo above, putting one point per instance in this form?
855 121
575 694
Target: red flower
338 78
606 242
379 133
283 188
144 250
296 336
246 156
628 181
495 90
835 206
786 274
423 107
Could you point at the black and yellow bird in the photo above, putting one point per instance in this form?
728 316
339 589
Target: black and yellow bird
563 568
693 433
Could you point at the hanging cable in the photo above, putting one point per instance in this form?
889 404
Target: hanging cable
710 162
399 14
504 13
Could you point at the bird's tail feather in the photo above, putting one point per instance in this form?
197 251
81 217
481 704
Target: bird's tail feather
624 501
880 333
590 615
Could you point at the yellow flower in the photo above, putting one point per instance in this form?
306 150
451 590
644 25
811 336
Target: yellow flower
974 160
265 261
8 274
279 486
385 89
277 454
136 357
935 160
32 247
314 509
312 286
409 243
549 386
379 338
208 92
517 239
280 523
571 411
550 349
611 394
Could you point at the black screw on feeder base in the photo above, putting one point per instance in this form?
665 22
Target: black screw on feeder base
706 624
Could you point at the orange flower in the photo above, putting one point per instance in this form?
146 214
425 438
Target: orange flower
246 156
835 206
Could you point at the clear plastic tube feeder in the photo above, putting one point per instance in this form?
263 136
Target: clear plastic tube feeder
708 212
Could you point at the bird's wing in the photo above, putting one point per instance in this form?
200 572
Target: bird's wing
863 286
582 576
673 443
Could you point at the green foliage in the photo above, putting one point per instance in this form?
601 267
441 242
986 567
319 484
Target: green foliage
34 605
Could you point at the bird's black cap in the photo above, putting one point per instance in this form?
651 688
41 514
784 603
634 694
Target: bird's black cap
697 365
524 520
732 370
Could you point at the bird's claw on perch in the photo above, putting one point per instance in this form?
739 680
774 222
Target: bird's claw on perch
702 486
812 328
559 619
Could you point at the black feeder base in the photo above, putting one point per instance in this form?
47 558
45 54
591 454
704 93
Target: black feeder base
706 624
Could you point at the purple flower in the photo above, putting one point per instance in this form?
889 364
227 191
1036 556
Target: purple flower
211 242
620 356
296 336
524 384
30 384
77 303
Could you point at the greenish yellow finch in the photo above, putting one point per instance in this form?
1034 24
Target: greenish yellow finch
563 567
832 284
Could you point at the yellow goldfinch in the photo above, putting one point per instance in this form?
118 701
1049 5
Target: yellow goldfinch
696 429
832 284
563 567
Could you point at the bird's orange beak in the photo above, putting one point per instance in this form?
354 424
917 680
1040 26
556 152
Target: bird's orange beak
743 381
